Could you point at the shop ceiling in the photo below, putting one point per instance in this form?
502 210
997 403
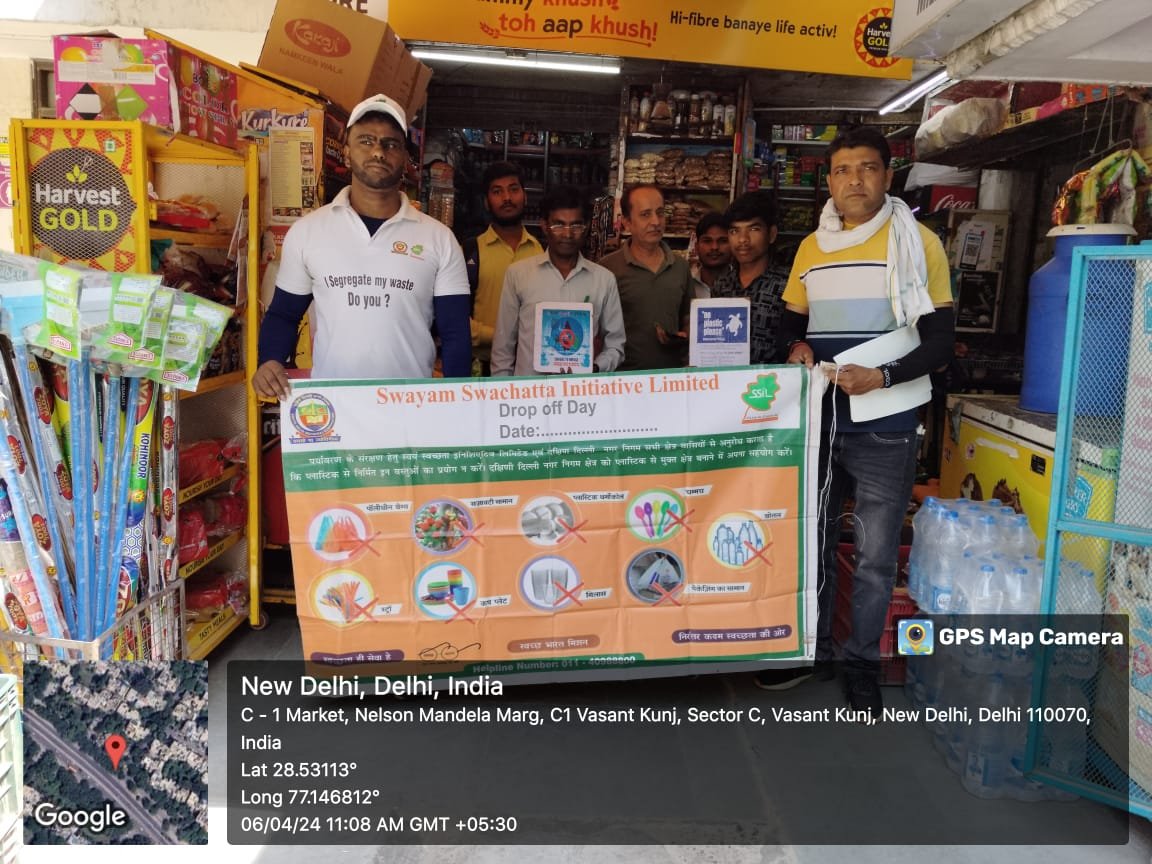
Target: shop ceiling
1089 41
494 97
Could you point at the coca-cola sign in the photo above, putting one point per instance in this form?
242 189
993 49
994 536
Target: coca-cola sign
950 198
950 202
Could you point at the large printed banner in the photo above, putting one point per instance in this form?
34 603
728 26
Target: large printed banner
555 524
844 37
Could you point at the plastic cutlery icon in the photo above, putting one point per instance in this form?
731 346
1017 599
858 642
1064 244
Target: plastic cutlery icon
663 518
644 517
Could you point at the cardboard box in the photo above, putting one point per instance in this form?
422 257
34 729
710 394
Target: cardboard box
346 55
105 78
101 77
206 102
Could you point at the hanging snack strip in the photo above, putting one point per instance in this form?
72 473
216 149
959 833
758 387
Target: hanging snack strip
167 527
30 517
22 308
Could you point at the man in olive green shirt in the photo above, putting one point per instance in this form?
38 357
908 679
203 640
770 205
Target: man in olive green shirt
505 242
655 285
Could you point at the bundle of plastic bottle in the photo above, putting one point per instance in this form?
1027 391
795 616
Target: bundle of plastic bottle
978 559
953 540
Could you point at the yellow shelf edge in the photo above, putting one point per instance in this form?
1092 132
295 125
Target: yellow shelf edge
198 489
279 595
215 551
216 382
190 238
217 629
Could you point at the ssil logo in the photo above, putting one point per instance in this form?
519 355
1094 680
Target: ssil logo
317 37
314 418
759 397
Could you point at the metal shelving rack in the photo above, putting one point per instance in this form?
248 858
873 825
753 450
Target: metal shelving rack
173 164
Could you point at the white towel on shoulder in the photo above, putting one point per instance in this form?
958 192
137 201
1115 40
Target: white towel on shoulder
906 274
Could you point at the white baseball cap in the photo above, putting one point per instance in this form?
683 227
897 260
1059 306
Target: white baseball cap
381 104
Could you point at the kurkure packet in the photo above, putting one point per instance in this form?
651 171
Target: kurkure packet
148 355
128 316
61 324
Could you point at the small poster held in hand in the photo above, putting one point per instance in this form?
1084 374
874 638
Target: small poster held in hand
564 338
718 332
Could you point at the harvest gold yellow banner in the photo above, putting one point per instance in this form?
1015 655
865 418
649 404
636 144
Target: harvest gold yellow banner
842 37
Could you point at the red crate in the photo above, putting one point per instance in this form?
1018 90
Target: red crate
892 665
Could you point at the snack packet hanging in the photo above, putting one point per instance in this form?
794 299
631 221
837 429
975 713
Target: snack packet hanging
149 355
214 315
128 317
183 352
61 318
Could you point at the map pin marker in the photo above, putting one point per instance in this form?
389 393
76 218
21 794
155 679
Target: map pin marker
114 746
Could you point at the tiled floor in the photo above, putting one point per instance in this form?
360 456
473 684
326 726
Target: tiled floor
281 641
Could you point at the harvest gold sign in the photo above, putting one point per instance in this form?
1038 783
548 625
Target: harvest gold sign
81 206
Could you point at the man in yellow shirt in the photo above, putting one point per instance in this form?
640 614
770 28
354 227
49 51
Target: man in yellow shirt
488 255
869 269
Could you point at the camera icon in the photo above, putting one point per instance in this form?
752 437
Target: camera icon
915 636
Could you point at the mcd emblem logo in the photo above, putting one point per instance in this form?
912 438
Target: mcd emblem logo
43 405
316 37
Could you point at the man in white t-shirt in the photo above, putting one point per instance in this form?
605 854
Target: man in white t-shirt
378 271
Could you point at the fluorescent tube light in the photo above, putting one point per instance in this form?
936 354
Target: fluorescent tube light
921 88
519 62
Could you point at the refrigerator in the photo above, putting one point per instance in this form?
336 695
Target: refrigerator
994 449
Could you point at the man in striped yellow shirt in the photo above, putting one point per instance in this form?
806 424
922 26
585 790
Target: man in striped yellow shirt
868 270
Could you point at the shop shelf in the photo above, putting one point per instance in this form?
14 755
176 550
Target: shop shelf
215 551
197 489
525 150
216 382
801 143
723 142
191 238
578 151
204 636
795 188
279 595
699 190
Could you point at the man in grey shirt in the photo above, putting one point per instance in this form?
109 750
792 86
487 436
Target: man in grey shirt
655 285
560 275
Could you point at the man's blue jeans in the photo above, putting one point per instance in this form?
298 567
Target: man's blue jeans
881 466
